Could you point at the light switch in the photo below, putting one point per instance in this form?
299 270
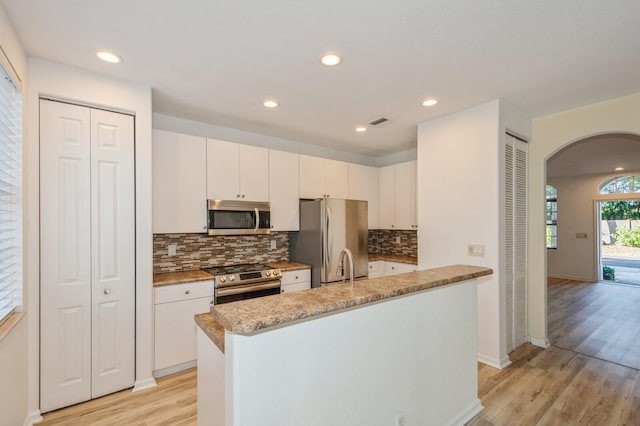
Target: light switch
172 249
273 244
581 235
475 250
397 240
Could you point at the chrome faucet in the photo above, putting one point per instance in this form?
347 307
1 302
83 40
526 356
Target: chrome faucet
340 271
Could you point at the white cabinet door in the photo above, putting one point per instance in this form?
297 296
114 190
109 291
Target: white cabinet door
254 173
296 281
386 218
284 191
179 183
312 182
336 177
363 185
405 209
175 331
392 268
376 269
87 236
223 170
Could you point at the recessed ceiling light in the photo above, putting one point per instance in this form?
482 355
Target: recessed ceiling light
270 103
619 169
361 129
110 57
429 102
330 59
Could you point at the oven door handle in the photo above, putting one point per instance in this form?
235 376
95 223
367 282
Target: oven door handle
257 219
228 291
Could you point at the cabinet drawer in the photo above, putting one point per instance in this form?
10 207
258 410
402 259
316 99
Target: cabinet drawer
292 277
290 288
185 291
375 267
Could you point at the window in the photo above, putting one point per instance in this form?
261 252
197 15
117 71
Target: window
552 217
10 196
621 185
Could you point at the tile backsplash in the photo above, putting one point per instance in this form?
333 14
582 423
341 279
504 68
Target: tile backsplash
199 251
385 241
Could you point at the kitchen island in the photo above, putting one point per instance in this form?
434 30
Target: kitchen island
391 347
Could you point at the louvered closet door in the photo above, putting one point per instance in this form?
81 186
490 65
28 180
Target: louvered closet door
87 253
515 241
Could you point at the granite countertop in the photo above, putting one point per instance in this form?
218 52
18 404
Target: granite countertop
286 266
211 328
168 278
249 316
393 258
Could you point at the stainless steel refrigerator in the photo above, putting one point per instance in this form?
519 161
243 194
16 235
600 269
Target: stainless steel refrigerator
327 226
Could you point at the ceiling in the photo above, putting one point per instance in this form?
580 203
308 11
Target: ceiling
597 155
216 61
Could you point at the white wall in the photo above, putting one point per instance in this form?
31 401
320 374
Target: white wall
457 188
413 355
460 199
577 258
196 128
550 134
14 349
88 88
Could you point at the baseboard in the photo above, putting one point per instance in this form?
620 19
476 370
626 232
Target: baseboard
144 384
470 412
493 362
32 418
175 368
542 343
572 278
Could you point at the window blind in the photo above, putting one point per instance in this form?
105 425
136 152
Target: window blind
10 196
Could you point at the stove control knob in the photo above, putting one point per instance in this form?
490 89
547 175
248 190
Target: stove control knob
276 273
232 277
268 273
222 279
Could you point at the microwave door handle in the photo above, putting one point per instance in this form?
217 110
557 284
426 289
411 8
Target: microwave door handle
257 219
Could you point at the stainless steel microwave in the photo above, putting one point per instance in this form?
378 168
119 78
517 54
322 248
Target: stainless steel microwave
238 217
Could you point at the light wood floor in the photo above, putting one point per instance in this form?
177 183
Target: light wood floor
172 402
597 319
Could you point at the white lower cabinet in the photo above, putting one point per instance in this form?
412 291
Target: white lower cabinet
382 268
295 281
175 328
376 269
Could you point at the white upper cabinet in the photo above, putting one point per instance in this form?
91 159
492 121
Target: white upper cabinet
387 216
284 191
406 195
363 185
179 183
398 196
237 172
321 177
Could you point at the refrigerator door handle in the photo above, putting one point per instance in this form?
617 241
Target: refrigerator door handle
329 244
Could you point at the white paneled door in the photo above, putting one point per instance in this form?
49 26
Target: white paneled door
87 253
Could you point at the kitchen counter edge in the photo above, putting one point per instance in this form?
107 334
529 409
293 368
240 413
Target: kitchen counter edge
251 316
170 278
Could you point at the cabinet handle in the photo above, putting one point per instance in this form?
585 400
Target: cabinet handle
242 195
211 303
392 226
187 292
107 291
296 277
281 290
237 195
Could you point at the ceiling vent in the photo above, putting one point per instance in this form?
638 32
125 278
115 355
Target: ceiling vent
378 121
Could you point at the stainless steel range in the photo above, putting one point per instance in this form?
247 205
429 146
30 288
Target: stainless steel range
240 282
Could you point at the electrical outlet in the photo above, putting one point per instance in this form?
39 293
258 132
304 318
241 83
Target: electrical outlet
400 420
273 244
475 250
172 249
397 240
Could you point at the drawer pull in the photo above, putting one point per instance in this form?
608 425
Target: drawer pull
187 292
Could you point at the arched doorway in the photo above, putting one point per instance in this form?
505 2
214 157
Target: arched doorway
583 314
